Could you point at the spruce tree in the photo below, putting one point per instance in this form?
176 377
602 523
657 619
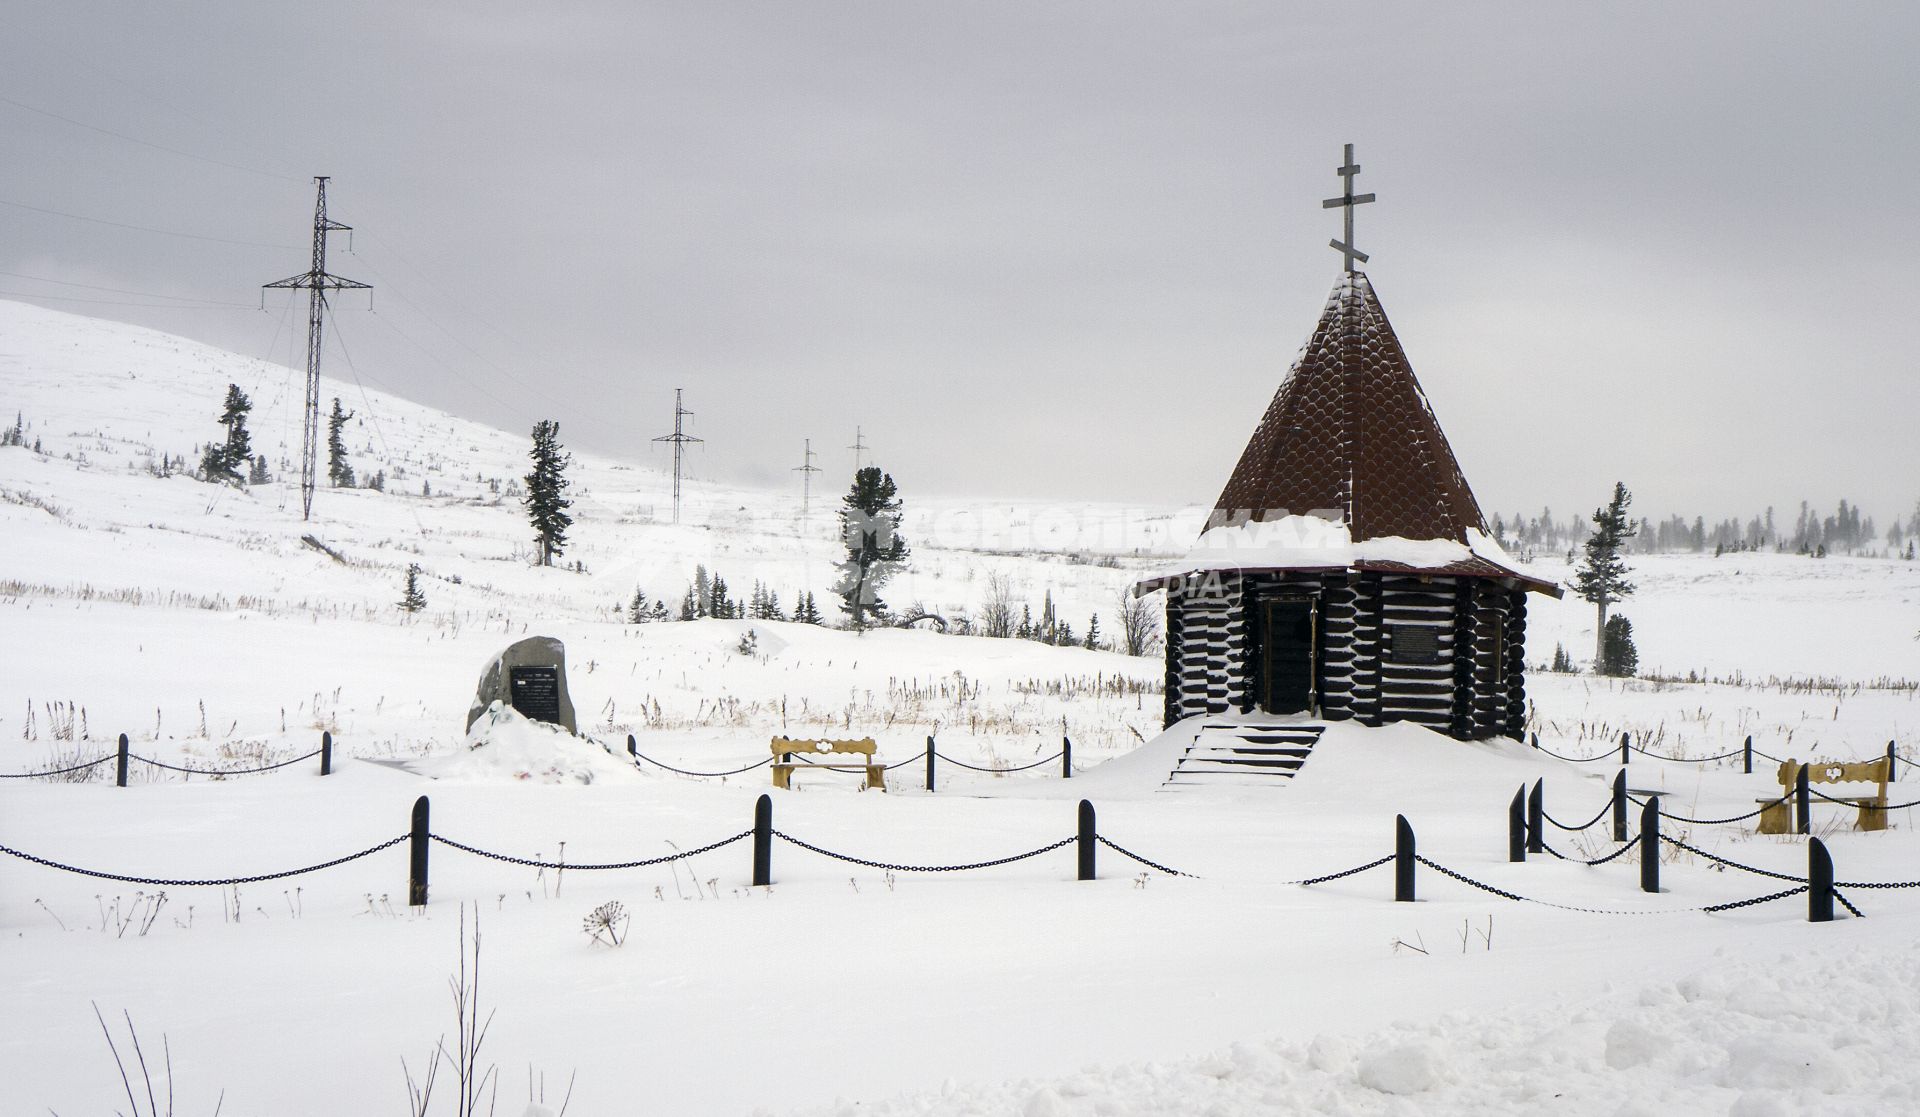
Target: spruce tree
638 612
412 600
259 474
805 611
546 500
1602 576
339 471
238 452
1093 633
876 551
1619 657
689 608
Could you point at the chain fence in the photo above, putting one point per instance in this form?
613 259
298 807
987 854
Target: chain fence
194 882
588 866
894 867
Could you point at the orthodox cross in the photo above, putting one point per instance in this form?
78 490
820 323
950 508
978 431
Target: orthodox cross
1347 201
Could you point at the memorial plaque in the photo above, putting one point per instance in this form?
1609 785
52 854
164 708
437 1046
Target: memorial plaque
1414 644
536 693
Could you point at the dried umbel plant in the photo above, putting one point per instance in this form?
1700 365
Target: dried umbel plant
607 924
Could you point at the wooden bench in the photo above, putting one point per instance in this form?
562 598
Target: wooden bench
786 748
1777 818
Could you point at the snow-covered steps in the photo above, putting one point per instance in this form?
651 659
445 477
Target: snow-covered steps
1245 753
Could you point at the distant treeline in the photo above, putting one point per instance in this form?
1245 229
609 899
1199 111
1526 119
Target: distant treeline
1847 531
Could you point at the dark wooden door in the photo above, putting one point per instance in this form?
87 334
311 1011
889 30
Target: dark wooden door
1286 651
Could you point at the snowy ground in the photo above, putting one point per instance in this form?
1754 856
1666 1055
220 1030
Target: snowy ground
195 621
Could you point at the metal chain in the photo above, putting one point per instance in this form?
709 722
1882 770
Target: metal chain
998 771
1549 903
1731 864
1762 809
219 771
1149 864
1342 873
210 882
1876 884
1769 898
1438 868
684 772
56 771
1848 904
1583 826
535 863
914 759
1625 847
1687 759
1573 759
1817 793
810 847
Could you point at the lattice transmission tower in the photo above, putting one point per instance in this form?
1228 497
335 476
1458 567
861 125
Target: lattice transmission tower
679 438
806 469
317 281
859 447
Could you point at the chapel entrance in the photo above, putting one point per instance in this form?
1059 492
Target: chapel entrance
1287 631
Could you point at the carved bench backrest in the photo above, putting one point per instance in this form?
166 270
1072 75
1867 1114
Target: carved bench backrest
1861 771
864 745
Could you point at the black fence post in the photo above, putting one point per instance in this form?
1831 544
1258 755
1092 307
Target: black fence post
1066 756
1403 854
1650 845
1624 749
929 763
1819 882
1517 826
417 856
1087 834
120 764
633 747
1536 818
763 842
326 753
1892 757
1620 805
1802 803
1533 739
1746 755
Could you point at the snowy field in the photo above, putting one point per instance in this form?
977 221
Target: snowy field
195 620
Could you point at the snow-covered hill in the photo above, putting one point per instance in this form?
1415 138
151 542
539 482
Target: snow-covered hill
194 619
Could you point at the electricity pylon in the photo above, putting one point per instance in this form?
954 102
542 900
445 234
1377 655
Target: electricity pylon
679 440
317 282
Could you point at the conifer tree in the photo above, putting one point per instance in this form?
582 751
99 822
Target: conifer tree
689 607
805 611
876 551
546 500
412 599
1619 658
224 460
638 612
259 475
702 591
1602 576
339 470
1093 633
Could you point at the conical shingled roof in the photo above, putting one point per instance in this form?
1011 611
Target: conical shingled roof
1350 429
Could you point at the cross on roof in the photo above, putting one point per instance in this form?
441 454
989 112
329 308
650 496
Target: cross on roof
1347 201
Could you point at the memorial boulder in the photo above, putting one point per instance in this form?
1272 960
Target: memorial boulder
530 676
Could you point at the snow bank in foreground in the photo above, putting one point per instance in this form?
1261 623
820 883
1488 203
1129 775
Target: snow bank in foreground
1749 1040
503 745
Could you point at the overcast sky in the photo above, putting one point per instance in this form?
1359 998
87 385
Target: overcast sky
1037 249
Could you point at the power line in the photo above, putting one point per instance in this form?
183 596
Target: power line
116 302
119 290
143 143
143 228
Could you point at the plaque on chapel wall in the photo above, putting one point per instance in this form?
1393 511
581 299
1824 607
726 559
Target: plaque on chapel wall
1415 644
535 692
